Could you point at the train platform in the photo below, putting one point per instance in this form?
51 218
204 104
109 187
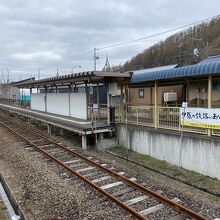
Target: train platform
76 125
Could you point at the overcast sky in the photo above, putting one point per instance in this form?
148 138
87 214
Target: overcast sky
51 34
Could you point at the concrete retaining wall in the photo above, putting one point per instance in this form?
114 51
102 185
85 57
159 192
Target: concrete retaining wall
195 152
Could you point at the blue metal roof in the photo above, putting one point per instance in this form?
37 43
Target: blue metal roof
155 69
203 68
211 59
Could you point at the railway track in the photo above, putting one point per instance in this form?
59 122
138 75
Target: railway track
127 192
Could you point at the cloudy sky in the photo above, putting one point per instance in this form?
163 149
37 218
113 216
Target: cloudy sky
55 34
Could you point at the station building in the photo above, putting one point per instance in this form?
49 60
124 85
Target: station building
188 82
143 111
153 115
155 95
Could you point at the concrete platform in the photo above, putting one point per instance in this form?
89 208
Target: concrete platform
80 126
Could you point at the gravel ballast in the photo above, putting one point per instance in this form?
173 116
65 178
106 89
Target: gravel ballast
43 193
86 202
207 204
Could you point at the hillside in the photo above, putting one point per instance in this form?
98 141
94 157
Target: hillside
205 37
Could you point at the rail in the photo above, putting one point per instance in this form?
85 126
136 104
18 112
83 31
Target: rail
137 214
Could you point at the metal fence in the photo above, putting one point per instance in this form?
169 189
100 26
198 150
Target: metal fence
140 115
99 116
216 132
15 103
167 118
119 114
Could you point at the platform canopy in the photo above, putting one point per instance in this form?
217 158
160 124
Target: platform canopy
210 66
78 78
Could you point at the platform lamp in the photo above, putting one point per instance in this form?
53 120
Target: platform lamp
75 67
203 44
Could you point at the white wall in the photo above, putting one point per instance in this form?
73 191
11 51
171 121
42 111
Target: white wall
38 102
58 103
78 105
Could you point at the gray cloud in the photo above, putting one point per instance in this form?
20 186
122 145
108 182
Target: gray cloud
51 34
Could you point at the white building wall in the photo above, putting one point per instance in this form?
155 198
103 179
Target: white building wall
74 105
58 103
38 102
78 105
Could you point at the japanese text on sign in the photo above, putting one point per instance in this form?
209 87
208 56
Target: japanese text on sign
200 117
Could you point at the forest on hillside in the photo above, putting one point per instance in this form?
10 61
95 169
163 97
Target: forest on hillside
178 48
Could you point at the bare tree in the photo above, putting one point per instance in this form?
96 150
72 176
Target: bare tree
5 85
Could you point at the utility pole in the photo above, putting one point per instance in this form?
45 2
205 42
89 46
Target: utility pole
179 47
38 73
95 58
8 78
207 49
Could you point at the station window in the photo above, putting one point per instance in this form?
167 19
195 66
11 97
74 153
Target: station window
141 93
91 90
215 86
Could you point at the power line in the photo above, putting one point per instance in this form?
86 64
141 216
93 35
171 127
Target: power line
157 34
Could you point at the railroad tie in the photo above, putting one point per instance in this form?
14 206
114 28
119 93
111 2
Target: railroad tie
178 217
44 146
29 148
136 200
156 208
76 165
104 164
85 169
105 178
108 186
101 179
140 198
122 192
72 161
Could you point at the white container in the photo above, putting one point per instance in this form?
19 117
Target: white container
170 97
